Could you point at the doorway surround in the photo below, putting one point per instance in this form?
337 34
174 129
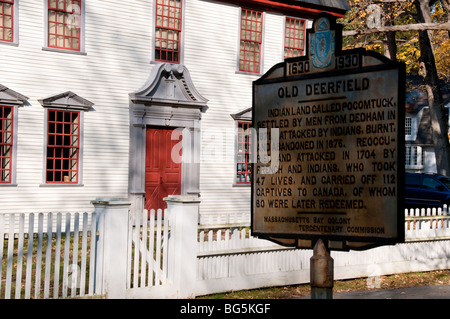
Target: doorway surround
168 99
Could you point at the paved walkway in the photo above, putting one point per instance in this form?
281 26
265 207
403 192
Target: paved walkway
420 292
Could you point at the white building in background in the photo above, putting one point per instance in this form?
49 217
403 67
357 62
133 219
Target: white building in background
92 90
420 156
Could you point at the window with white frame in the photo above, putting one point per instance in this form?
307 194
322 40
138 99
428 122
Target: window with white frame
243 154
6 142
168 28
9 103
64 138
63 146
294 37
9 21
414 157
244 147
408 126
251 40
65 25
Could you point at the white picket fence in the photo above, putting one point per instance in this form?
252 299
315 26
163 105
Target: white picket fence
427 224
61 255
231 259
48 255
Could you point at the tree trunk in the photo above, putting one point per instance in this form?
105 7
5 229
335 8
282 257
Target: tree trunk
439 124
390 45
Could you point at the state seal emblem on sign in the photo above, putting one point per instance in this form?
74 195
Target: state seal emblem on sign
322 43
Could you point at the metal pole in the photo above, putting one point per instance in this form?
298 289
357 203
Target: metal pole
321 272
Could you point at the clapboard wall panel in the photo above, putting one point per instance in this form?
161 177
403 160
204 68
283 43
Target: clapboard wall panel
118 61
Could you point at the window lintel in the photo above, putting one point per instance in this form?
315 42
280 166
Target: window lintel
11 97
66 100
245 115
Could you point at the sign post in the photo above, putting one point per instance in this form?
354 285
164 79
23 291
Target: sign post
330 132
321 272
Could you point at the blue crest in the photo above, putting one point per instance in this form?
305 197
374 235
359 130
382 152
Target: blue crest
322 44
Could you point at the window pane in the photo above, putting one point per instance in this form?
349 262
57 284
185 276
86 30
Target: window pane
7 9
60 41
61 4
8 34
51 40
75 43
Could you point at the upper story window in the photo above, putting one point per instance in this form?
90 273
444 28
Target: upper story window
294 37
408 126
251 41
64 24
168 27
7 20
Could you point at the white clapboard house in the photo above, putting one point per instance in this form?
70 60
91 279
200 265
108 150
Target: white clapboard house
419 147
136 99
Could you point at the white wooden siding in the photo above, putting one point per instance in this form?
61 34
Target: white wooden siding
211 53
117 63
118 45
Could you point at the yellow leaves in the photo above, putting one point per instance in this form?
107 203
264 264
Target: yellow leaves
442 58
407 41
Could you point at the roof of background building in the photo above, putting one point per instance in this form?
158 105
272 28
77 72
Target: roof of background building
339 4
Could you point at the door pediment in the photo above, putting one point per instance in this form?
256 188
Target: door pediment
169 85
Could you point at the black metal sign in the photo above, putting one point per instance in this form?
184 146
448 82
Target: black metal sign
330 146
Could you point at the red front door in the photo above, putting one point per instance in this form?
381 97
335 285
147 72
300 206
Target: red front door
162 174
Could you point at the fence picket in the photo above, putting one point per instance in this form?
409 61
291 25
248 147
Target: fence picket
164 247
48 253
19 256
151 247
57 255
74 283
143 248
83 255
93 248
158 248
66 257
2 238
136 239
29 256
130 250
9 260
37 285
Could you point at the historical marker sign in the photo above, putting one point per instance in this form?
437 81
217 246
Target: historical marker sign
332 166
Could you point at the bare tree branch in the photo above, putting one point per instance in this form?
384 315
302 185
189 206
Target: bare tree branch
406 27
